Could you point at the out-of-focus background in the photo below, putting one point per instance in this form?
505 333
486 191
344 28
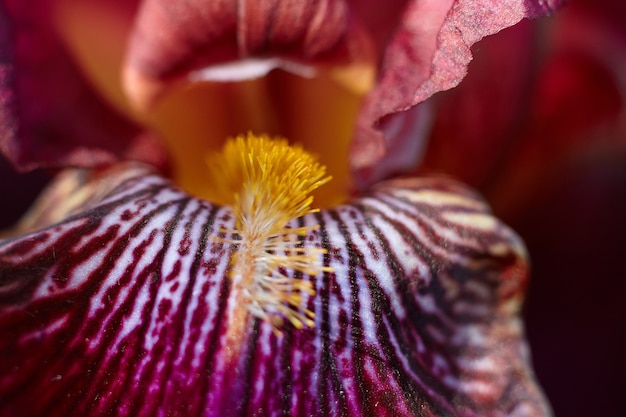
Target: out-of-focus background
539 127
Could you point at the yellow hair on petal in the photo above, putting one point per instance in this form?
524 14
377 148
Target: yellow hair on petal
269 182
265 179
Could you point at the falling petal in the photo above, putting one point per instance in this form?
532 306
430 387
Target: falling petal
122 308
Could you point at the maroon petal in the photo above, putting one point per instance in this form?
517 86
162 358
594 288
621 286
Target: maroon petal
123 309
49 113
479 122
428 53
562 99
195 34
556 171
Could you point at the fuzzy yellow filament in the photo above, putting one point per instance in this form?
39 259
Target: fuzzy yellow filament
269 183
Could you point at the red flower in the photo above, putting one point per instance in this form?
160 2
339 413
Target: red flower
121 294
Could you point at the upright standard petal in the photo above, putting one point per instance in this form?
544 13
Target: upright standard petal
124 307
49 113
249 37
428 53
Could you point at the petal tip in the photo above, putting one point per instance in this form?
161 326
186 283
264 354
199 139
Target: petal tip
141 91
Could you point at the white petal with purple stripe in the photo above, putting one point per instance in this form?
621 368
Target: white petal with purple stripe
122 308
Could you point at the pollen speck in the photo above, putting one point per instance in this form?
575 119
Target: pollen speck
268 183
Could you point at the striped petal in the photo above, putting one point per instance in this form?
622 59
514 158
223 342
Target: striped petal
122 308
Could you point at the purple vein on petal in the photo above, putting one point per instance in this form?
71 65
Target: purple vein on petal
123 308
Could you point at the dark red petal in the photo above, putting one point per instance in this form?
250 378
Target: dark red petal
478 123
49 113
429 53
562 97
123 308
194 34
556 170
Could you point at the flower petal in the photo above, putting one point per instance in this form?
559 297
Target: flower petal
556 171
123 309
562 100
428 53
49 114
194 35
478 122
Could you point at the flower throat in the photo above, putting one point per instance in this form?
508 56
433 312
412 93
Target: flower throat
269 183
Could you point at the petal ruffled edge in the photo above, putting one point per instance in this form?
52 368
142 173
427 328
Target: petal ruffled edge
429 53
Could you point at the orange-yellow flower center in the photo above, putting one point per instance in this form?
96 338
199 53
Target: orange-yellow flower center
265 179
193 119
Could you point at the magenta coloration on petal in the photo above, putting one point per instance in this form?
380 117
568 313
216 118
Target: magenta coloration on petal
429 53
49 113
123 308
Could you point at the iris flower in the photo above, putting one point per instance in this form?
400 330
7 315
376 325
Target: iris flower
167 271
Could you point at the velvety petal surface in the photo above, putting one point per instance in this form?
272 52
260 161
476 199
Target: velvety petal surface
556 172
249 37
122 308
429 52
49 113
558 99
